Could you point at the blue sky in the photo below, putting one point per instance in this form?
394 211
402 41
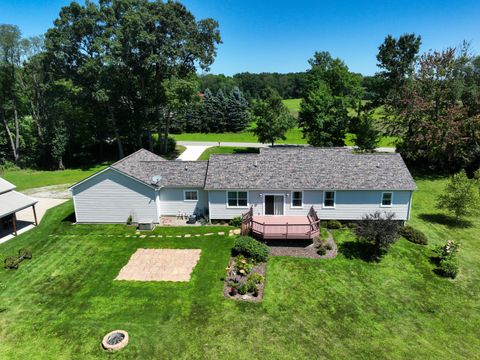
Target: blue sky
265 35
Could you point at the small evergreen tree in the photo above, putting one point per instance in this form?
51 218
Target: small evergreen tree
237 111
460 196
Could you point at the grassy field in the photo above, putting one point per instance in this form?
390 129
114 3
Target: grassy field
226 150
61 303
27 179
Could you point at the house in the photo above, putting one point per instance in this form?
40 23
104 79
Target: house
275 186
11 202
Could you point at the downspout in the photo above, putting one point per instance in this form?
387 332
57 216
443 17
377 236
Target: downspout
409 205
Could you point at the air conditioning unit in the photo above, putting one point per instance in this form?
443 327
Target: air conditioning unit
146 224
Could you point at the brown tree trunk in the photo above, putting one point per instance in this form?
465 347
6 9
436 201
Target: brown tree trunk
167 129
13 141
121 153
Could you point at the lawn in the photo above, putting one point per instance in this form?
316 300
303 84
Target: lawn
226 150
64 300
27 179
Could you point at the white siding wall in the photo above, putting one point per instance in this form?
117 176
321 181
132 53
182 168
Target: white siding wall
171 202
110 197
349 205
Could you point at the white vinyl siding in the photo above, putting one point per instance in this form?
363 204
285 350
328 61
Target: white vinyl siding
349 205
111 197
172 202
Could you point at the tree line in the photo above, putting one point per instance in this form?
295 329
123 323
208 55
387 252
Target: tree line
112 77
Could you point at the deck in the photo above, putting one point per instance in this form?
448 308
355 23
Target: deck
281 227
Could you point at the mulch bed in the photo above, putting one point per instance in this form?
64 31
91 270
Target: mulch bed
300 248
260 268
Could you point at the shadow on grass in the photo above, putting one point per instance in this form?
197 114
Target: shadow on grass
446 220
246 151
358 250
70 218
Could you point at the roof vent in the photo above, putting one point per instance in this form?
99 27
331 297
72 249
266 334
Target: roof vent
156 179
186 167
255 163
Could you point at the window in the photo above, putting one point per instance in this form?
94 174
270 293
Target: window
190 195
297 199
237 199
387 199
329 199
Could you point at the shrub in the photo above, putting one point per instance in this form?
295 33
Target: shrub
321 250
243 265
129 220
328 246
379 230
251 248
243 289
449 267
11 262
256 278
236 221
251 286
413 235
333 224
171 145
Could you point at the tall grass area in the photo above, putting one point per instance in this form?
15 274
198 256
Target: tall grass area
62 302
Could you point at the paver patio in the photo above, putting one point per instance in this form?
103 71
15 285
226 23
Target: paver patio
160 265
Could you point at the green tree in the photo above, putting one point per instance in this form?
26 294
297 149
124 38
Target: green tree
460 196
331 89
365 129
379 230
237 111
273 119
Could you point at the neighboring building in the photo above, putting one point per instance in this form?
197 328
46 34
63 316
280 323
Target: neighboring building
279 181
11 202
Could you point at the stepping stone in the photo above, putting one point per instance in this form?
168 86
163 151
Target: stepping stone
221 233
236 231
198 235
169 236
208 234
127 235
178 236
187 235
143 236
152 236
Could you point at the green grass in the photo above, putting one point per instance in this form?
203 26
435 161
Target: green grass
27 179
61 303
293 105
226 150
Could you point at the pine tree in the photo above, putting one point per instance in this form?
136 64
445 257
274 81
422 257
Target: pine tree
237 111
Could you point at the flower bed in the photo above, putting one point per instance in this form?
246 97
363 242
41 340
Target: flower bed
245 279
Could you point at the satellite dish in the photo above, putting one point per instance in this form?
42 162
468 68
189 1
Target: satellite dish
156 179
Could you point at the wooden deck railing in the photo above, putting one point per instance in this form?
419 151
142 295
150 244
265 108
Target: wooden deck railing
292 230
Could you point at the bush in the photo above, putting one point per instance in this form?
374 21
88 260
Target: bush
11 262
236 221
251 286
242 289
256 278
243 265
413 235
25 253
449 267
321 250
333 224
129 220
250 248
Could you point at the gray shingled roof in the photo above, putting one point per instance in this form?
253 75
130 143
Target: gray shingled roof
308 168
144 165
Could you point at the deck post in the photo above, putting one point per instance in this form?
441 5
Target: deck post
14 223
35 215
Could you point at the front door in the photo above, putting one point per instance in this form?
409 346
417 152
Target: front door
274 204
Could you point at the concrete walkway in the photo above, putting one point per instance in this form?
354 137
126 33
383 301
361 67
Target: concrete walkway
192 152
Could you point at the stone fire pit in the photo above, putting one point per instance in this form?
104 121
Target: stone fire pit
115 340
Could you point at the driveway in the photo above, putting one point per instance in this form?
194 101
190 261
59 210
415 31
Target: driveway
254 145
192 152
